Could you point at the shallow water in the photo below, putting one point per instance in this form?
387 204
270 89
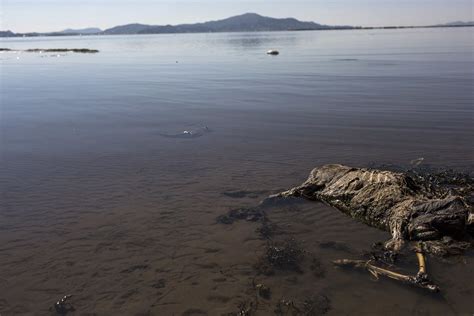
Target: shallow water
97 203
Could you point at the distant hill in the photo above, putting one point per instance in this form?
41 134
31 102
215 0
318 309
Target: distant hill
249 22
7 34
90 30
126 29
458 23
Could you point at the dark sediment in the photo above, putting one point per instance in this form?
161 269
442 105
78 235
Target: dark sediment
285 255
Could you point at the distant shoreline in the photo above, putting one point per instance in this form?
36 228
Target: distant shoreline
9 34
31 35
248 22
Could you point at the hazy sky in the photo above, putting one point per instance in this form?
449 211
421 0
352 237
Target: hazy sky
53 15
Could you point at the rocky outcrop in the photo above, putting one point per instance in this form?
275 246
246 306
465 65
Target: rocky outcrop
394 201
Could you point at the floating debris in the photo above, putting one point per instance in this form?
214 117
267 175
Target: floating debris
417 162
245 308
420 280
430 207
192 133
263 291
63 307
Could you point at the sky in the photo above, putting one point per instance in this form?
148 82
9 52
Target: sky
55 15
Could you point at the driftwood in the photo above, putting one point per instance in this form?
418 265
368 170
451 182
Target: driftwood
420 280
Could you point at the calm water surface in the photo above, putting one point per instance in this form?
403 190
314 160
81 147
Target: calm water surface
97 203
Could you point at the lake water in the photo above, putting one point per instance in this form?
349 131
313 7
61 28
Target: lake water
98 203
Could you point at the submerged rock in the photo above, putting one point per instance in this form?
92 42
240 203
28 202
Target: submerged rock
406 207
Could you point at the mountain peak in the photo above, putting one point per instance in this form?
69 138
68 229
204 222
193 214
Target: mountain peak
247 22
251 14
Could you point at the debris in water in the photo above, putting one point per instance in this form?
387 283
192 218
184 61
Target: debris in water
62 307
420 280
417 162
284 256
263 291
245 308
410 207
192 133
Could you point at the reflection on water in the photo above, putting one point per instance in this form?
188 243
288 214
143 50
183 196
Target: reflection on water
95 202
260 41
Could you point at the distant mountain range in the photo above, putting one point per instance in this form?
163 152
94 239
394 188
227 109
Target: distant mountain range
458 23
248 22
87 31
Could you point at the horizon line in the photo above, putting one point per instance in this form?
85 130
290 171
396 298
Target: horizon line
246 13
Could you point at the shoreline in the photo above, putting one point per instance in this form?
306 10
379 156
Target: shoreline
33 34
